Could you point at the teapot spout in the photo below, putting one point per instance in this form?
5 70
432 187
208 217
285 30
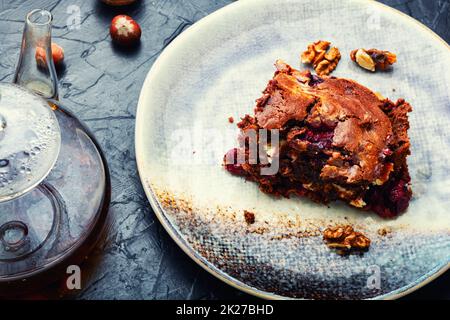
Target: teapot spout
35 69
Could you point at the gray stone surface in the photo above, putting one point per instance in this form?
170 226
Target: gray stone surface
101 84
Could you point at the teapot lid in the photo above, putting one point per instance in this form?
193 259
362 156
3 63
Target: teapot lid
30 140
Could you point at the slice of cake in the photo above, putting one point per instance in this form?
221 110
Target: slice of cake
336 140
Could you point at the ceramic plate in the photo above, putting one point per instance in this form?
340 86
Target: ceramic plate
216 69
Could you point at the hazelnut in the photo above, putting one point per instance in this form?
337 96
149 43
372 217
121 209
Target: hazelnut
57 55
364 60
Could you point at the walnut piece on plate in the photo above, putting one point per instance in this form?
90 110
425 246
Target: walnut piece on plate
373 59
323 60
345 238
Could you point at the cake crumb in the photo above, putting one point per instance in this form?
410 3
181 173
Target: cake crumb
230 119
249 217
384 231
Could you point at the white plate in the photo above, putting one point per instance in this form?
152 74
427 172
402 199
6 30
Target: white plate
216 69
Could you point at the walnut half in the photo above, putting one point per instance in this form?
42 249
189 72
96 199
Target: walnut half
323 61
373 59
345 238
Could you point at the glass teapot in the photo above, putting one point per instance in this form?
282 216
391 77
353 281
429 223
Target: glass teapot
54 180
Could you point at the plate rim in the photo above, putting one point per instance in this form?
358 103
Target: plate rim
174 233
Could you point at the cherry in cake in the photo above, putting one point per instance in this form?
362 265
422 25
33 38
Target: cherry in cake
336 140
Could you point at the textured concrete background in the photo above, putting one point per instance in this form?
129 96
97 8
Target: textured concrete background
101 84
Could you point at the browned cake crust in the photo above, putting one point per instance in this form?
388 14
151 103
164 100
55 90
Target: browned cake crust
339 140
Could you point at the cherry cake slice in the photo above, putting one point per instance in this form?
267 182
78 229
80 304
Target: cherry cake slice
336 140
